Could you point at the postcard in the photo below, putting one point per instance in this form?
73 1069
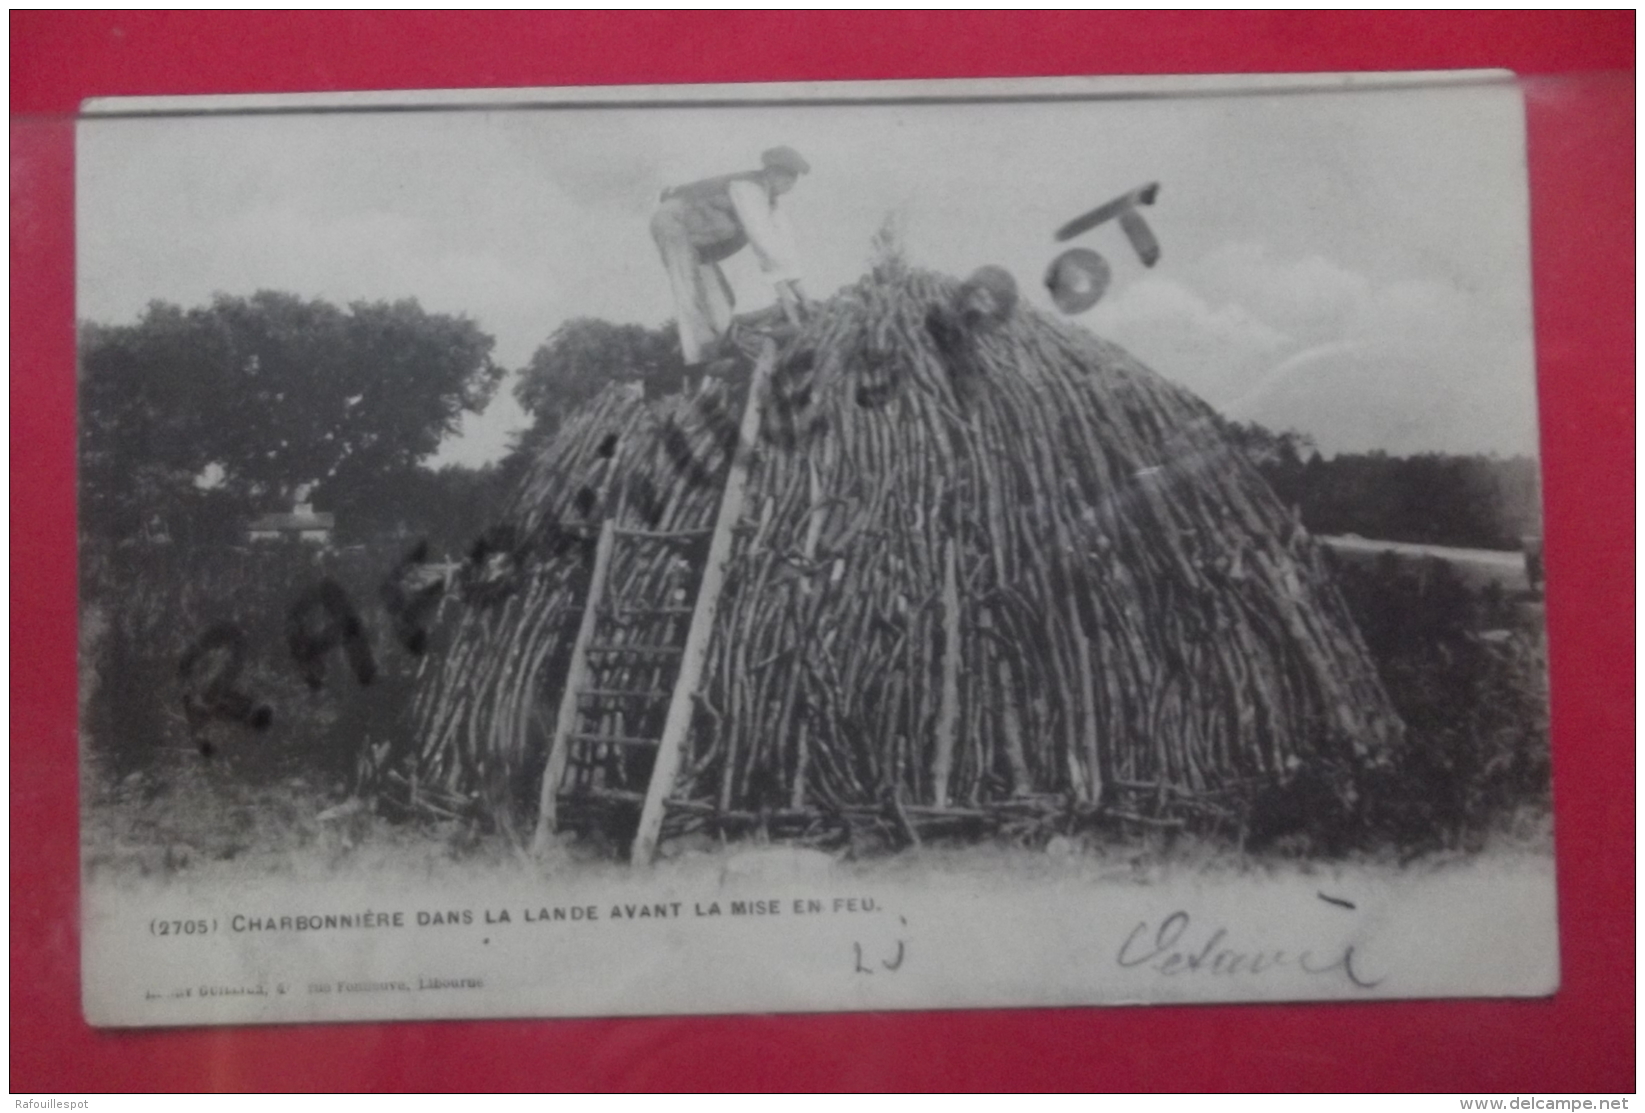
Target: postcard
912 545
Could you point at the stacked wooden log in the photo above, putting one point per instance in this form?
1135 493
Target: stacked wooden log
978 569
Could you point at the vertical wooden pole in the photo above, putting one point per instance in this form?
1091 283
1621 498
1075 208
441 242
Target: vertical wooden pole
683 703
1088 710
813 533
1011 727
1074 737
948 711
576 678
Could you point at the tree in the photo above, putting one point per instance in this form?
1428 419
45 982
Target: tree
257 398
583 357
1476 501
450 509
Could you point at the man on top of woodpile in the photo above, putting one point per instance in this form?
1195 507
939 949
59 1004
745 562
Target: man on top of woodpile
700 224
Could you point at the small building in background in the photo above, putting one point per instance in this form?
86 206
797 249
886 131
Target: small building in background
302 524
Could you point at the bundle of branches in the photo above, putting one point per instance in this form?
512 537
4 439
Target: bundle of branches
976 566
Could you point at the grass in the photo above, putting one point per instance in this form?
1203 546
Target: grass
190 816
190 819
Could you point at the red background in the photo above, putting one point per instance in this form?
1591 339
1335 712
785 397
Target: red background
1582 180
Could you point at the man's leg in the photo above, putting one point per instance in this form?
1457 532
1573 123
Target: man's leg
718 301
692 298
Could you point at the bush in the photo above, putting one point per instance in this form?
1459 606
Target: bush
166 624
1469 678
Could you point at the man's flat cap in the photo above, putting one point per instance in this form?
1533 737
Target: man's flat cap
785 158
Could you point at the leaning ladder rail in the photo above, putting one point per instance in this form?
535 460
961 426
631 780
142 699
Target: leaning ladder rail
682 705
693 654
576 679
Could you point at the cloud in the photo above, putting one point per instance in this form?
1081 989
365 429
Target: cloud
1309 298
1404 365
1217 351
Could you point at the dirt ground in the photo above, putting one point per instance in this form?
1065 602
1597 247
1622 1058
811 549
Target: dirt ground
195 821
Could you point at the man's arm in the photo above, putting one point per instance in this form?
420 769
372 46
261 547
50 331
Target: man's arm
768 232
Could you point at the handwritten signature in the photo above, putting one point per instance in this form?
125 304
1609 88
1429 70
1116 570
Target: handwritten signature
1175 947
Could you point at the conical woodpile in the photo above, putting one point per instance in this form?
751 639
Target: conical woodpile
977 569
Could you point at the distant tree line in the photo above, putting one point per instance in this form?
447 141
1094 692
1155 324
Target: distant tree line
1474 501
201 419
193 421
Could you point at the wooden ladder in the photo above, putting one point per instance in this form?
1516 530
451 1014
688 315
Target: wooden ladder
629 660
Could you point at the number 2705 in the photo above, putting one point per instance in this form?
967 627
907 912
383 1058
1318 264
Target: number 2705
181 927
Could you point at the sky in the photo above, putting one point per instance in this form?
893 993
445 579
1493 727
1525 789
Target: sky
1350 264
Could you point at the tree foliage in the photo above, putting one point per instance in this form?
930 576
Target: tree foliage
1471 501
241 403
450 508
1476 706
585 355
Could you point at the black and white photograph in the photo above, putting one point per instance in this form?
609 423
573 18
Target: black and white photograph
909 545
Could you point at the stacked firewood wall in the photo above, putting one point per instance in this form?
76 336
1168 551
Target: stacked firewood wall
1027 571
